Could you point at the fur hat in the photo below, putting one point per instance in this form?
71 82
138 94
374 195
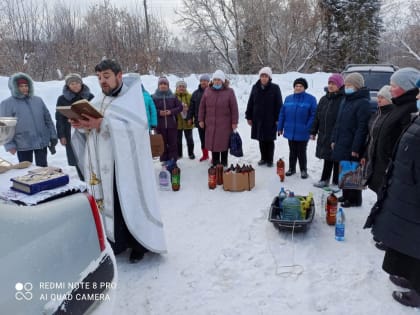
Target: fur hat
406 78
20 78
267 71
337 79
219 74
301 81
73 77
205 77
385 92
163 80
181 83
355 79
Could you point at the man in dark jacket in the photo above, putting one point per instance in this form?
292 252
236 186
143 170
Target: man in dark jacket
73 90
192 114
350 131
263 108
395 218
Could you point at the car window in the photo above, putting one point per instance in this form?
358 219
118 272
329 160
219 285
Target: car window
376 80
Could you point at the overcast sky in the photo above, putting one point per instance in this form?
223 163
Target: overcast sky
162 8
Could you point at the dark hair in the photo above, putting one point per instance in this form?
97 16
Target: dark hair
108 64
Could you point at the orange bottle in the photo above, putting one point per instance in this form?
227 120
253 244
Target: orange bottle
280 169
212 177
331 209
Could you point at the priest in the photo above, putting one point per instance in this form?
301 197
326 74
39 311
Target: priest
117 164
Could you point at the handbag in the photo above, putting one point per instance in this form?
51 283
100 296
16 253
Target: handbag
235 144
157 144
351 175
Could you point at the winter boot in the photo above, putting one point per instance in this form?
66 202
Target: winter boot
205 155
191 151
408 298
400 281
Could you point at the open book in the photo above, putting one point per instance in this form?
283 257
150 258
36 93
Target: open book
75 110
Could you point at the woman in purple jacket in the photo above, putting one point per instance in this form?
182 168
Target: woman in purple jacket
219 114
168 107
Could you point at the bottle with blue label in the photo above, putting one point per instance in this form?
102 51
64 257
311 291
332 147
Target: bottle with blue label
340 225
282 196
291 208
164 179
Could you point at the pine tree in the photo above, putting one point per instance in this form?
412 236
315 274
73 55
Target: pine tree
352 31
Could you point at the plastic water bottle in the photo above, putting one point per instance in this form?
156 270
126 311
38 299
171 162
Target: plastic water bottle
282 196
340 225
291 208
164 179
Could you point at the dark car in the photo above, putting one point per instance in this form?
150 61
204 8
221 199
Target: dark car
375 75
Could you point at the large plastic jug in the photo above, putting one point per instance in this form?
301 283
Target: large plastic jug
291 208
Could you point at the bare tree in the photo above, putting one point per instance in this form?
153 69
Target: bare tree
400 43
295 32
215 22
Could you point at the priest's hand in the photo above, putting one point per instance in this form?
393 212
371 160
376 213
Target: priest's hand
75 123
89 122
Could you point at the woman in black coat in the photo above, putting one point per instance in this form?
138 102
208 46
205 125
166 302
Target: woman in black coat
192 115
350 131
380 144
73 90
261 113
324 122
395 217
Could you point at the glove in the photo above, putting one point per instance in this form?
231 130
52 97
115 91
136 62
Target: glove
53 142
51 147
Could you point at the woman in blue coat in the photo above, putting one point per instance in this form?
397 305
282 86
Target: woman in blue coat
295 122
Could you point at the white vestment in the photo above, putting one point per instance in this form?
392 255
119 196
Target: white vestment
123 141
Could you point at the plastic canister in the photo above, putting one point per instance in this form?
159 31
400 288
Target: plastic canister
291 208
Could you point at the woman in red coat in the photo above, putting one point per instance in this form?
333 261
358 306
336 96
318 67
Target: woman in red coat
219 114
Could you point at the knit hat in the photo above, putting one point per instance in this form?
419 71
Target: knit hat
22 81
355 79
385 92
267 71
406 78
163 80
205 77
301 81
181 83
219 74
73 77
337 79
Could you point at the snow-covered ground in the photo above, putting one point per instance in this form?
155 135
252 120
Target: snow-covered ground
224 256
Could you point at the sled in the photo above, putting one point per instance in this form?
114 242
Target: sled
287 225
